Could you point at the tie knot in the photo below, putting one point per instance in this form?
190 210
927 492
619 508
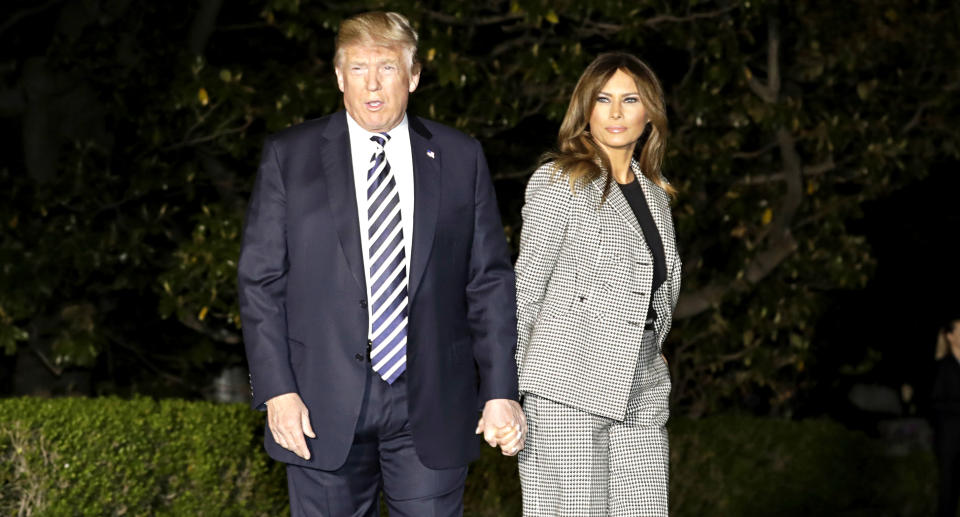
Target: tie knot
380 139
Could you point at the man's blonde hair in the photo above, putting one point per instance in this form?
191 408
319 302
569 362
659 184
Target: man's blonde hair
379 28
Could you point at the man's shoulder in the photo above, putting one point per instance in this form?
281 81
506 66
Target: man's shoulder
310 129
441 132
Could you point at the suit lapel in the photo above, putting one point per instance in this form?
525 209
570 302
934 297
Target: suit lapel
426 201
659 209
653 203
337 171
620 205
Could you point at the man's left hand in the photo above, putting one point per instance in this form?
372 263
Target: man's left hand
500 415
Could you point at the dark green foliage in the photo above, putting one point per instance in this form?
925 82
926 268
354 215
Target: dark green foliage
736 465
493 486
75 456
109 456
121 207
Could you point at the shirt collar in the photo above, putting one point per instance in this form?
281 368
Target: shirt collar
356 131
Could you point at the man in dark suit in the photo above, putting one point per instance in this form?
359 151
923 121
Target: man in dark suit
377 295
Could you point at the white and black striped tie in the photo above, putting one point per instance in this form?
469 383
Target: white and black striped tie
386 258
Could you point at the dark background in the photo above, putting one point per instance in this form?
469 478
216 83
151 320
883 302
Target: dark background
813 145
912 293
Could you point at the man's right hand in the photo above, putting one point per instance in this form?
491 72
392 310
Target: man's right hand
288 420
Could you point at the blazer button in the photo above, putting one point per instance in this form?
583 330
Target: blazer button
363 304
358 357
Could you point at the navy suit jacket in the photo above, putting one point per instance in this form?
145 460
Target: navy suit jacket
302 290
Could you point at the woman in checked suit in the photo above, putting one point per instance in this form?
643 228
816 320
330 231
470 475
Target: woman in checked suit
597 280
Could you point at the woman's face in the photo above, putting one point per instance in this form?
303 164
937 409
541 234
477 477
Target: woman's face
954 336
618 115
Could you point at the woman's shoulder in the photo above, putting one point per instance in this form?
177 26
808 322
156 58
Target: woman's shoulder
548 180
545 174
948 361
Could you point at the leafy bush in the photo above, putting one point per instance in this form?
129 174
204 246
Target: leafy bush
109 456
736 465
171 457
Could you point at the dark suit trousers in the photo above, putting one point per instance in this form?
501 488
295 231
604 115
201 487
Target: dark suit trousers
382 457
947 448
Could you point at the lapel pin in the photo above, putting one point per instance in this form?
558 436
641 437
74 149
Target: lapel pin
430 154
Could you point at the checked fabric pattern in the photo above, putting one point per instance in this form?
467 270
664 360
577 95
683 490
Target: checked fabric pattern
583 291
578 463
596 390
388 273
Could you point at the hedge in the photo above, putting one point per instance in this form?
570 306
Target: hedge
736 465
108 456
76 456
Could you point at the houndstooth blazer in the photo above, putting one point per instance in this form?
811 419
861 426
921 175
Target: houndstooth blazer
583 290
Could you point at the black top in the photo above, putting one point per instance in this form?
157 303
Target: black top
946 388
633 191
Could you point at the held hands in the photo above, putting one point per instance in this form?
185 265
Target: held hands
503 424
289 420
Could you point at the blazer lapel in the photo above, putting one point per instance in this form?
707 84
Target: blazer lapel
337 171
659 206
620 204
426 201
660 210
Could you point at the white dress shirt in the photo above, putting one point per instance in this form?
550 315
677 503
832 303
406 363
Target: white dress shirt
400 157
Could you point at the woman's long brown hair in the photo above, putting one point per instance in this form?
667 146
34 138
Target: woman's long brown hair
577 153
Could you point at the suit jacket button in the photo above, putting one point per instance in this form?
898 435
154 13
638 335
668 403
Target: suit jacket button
358 357
363 304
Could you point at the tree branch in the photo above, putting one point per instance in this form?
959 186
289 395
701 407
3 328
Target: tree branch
485 20
813 170
213 136
769 92
203 25
57 372
667 18
764 263
23 13
606 28
705 298
146 362
781 242
793 170
513 43
708 297
221 335
915 120
749 155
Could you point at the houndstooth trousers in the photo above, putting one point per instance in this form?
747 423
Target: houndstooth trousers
580 464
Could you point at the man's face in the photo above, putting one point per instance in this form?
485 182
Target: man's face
376 82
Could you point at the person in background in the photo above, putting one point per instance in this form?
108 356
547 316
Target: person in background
377 295
598 277
945 403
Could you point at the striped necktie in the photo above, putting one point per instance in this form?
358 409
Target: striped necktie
386 259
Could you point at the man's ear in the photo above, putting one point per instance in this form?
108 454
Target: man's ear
339 73
414 76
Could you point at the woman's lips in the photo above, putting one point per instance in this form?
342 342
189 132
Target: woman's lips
616 129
